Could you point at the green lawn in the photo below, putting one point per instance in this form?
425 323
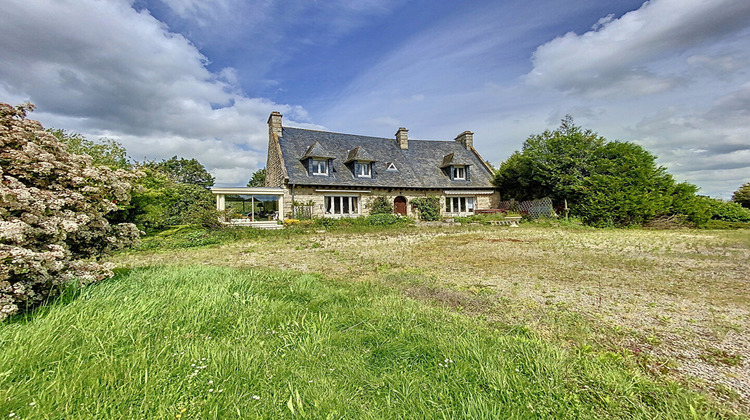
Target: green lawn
217 342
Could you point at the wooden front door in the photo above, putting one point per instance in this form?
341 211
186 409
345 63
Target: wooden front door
399 205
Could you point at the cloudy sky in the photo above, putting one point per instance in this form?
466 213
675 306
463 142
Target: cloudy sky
198 78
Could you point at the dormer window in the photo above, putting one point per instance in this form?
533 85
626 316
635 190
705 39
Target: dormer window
459 172
364 170
318 161
360 163
319 167
455 167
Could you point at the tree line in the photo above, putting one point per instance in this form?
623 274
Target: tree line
609 183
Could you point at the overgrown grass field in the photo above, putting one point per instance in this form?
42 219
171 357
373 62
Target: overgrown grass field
474 322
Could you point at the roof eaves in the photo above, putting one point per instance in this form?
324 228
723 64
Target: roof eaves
484 162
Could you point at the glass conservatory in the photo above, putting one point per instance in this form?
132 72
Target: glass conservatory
250 206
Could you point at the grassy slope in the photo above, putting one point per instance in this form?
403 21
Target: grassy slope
149 342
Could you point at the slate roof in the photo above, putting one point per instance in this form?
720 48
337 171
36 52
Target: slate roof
317 151
359 153
453 160
417 167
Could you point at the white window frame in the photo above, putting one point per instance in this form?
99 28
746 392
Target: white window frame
459 172
319 167
460 204
365 171
334 205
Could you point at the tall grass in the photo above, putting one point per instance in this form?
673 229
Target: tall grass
209 342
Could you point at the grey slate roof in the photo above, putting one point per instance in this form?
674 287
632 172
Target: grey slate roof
317 151
359 153
453 160
418 167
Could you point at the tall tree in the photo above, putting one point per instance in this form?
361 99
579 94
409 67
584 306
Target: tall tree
258 179
606 183
551 164
742 195
184 171
105 152
624 187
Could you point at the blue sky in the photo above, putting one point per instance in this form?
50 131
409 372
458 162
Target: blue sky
198 78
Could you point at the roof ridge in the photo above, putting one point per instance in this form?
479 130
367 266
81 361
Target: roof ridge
371 137
343 134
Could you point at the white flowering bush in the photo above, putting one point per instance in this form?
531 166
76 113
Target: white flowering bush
52 213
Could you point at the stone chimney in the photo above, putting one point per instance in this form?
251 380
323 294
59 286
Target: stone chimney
402 138
274 124
466 139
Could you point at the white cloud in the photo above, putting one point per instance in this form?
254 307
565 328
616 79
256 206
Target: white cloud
720 65
621 56
645 77
199 10
709 147
102 68
672 75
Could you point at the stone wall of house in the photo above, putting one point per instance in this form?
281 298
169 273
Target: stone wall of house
488 201
310 195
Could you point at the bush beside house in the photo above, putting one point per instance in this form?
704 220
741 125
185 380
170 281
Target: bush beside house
53 213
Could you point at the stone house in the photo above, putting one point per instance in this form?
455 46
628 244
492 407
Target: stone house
340 174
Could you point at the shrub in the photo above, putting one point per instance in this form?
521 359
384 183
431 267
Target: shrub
158 201
696 209
52 213
722 224
727 211
328 222
386 220
380 205
297 222
211 218
429 208
625 187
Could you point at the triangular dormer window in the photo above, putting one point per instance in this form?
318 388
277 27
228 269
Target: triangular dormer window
360 162
390 166
318 160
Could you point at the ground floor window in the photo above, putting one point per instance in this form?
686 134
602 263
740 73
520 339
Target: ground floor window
459 204
342 205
